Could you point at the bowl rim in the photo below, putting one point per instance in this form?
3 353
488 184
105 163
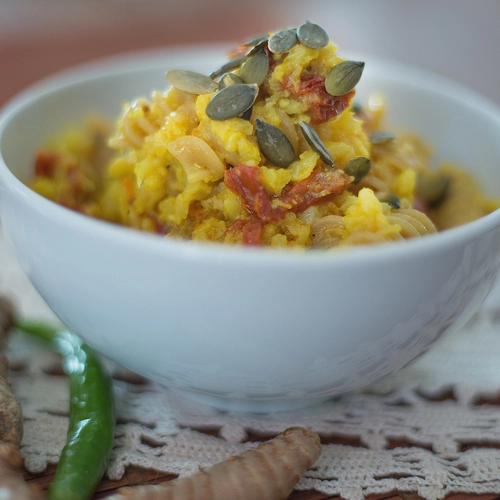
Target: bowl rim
152 59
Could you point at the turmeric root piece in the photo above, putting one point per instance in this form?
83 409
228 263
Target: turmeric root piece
6 319
11 417
268 472
13 485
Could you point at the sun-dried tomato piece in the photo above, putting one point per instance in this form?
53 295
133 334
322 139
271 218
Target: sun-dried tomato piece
252 232
322 106
320 187
244 181
311 83
45 163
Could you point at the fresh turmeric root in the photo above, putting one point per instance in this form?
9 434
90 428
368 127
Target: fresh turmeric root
11 419
268 472
12 483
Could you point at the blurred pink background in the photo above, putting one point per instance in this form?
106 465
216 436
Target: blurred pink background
458 38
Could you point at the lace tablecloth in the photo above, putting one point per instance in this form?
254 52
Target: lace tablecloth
432 429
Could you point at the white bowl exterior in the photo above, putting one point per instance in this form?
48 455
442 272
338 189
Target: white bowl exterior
257 329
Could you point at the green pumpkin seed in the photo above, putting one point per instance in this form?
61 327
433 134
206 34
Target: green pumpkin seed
344 77
229 66
229 79
253 42
190 81
316 144
357 108
432 187
392 200
312 36
357 167
283 41
257 47
232 101
247 114
274 144
381 137
256 68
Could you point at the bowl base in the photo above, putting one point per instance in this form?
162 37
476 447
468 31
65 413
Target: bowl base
249 405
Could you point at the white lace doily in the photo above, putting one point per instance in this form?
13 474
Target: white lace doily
433 428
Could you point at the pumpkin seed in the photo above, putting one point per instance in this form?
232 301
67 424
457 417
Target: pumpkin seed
312 36
392 200
229 79
257 47
316 144
282 41
274 144
247 114
253 42
357 108
432 187
344 77
231 101
381 137
357 167
256 68
229 66
190 81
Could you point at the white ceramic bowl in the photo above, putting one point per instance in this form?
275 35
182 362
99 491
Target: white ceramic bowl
241 328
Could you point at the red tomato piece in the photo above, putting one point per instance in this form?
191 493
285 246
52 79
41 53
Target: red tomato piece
45 163
244 181
321 105
251 230
321 186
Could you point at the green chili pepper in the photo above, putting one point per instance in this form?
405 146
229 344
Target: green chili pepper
91 415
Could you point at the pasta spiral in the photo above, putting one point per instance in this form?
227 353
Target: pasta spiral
139 120
391 160
136 124
412 222
331 231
